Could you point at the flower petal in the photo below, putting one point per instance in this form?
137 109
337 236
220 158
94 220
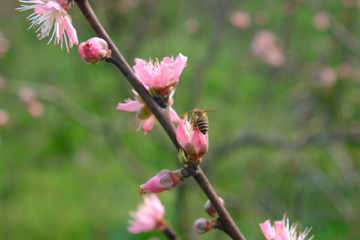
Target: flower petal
198 139
182 135
267 230
165 74
71 32
149 123
280 231
145 75
179 65
174 116
132 106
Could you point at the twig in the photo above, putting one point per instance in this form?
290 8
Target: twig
170 233
118 60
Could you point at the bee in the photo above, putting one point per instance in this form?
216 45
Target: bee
199 119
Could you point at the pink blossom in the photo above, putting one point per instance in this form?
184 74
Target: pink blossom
203 225
4 117
48 14
194 142
149 216
27 95
162 74
328 76
264 46
240 19
144 113
35 108
94 50
321 20
164 180
282 230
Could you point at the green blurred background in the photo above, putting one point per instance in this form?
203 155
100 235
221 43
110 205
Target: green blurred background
283 75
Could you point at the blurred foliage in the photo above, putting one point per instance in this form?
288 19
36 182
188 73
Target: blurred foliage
285 138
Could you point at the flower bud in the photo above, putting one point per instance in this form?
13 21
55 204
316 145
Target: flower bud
195 143
164 180
203 225
209 208
94 50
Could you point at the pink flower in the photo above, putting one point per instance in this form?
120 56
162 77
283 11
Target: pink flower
94 50
192 140
321 20
164 180
149 216
4 117
282 230
160 74
144 113
263 45
49 13
240 19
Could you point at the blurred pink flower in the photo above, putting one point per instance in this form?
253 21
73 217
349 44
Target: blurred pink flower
35 108
4 45
240 19
282 230
164 180
27 95
144 113
94 50
192 140
327 76
160 74
4 117
192 26
263 45
321 20
149 216
49 13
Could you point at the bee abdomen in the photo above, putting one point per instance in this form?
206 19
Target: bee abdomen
203 125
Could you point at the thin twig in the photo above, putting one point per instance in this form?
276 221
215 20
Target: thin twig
118 60
170 233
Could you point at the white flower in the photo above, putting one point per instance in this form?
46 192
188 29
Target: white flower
283 231
49 13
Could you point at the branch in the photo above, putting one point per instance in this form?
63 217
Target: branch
118 60
170 233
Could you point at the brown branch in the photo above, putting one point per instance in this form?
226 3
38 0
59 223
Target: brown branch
228 223
170 233
118 60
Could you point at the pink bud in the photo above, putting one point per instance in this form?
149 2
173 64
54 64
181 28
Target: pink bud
203 225
94 50
209 208
164 180
195 143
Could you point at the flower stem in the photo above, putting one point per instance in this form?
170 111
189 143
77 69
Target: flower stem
119 61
